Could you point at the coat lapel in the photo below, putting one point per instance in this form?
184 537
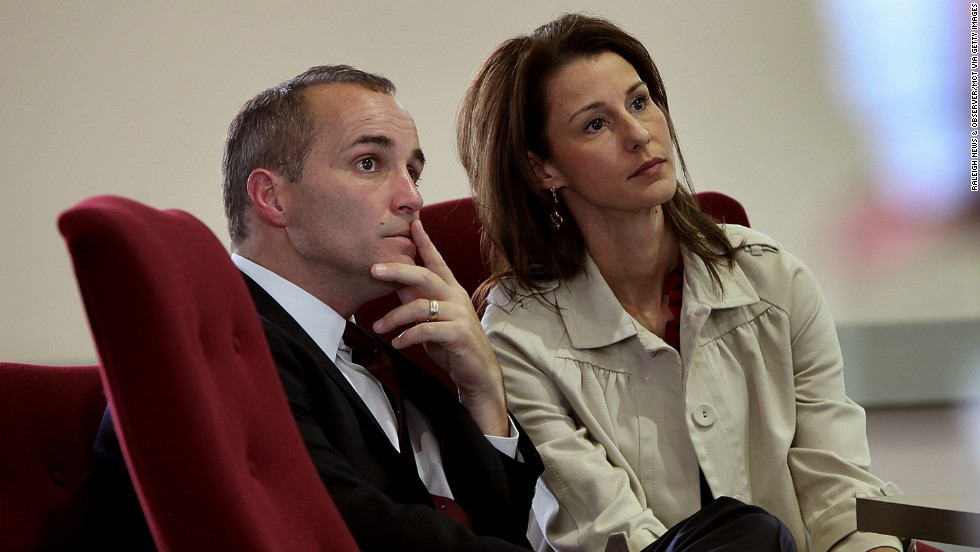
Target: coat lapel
462 445
273 313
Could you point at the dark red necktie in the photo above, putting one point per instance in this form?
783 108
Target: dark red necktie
367 352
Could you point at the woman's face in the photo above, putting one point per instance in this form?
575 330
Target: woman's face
610 146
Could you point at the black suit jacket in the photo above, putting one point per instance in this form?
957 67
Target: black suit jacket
380 495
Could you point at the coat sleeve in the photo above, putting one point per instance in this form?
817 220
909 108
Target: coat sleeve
829 457
582 499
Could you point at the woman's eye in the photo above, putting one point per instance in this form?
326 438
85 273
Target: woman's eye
639 103
595 125
366 164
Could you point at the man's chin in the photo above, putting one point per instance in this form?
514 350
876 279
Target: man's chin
377 289
404 259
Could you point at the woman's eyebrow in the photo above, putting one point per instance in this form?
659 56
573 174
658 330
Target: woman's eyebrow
594 105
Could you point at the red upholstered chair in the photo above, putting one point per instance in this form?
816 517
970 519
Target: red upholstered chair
215 456
455 231
49 416
723 208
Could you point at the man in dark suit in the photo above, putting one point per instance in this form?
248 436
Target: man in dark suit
320 190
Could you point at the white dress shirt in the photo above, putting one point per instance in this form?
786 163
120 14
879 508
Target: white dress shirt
326 327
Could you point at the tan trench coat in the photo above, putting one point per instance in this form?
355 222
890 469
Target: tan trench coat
755 397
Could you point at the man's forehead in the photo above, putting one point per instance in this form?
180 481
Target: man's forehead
352 103
354 114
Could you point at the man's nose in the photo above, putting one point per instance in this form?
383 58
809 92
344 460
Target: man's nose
406 196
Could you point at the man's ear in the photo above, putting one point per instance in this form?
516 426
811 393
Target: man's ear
545 173
265 189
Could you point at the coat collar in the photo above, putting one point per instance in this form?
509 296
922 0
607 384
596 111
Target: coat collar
594 318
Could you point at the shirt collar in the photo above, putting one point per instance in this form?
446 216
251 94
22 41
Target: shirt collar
321 322
590 311
738 291
594 317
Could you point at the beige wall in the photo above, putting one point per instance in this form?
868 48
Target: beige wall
133 98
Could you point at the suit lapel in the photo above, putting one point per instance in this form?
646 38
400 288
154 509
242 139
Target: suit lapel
274 314
462 445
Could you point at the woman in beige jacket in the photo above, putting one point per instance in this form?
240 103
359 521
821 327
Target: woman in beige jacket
657 359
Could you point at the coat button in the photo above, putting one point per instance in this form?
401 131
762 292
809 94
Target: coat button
704 415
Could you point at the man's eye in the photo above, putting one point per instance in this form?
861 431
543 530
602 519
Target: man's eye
366 164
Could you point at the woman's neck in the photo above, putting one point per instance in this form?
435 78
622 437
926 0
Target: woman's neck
634 254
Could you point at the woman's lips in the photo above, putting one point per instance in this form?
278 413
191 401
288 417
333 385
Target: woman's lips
650 168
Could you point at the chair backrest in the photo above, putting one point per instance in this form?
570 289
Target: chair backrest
215 456
49 416
723 208
455 230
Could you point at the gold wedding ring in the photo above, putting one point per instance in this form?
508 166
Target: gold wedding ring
433 311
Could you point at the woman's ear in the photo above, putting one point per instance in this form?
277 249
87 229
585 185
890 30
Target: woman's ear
545 173
265 189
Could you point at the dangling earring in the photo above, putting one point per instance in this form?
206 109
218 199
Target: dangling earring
556 220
